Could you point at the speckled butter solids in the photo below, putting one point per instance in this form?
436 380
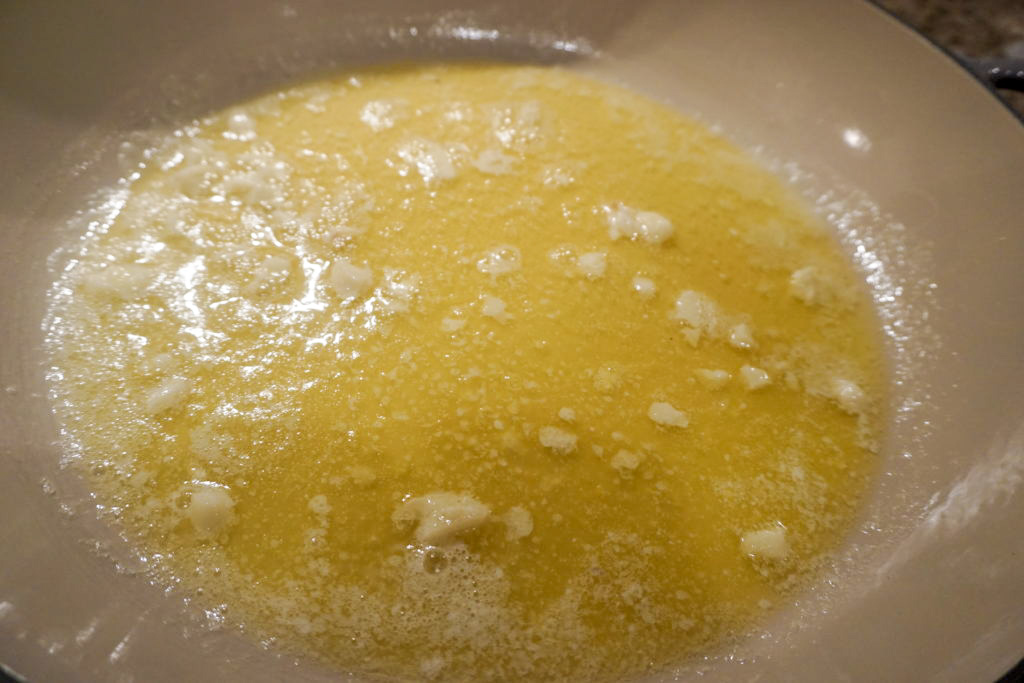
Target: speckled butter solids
470 372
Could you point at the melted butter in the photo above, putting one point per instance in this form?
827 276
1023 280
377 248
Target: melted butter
470 372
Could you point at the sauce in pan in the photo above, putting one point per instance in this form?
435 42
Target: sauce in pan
471 373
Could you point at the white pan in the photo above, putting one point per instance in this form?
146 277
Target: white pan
926 173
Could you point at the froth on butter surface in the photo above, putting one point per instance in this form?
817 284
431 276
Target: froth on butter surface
469 373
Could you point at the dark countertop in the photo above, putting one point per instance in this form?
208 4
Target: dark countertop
969 28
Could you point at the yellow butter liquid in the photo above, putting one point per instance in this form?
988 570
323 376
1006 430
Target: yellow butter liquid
257 419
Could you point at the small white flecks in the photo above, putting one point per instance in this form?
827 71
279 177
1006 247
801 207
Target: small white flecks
211 508
567 414
319 505
207 444
240 127
273 271
754 378
644 287
494 162
697 313
847 395
432 667
811 287
766 544
592 264
493 307
518 523
632 224
161 362
558 440
432 161
361 475
667 416
341 235
349 280
558 176
261 185
741 337
712 379
442 516
452 324
127 281
625 462
398 290
518 124
500 260
380 114
168 395
606 379
564 257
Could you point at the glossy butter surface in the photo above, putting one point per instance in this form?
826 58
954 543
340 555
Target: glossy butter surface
469 372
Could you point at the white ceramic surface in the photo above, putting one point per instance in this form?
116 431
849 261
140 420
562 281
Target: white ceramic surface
926 172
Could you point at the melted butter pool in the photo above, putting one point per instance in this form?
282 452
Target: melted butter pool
470 373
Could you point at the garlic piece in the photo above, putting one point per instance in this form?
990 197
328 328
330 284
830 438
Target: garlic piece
210 509
558 440
518 523
624 221
592 264
667 416
712 379
349 281
768 544
169 395
754 378
644 287
442 516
